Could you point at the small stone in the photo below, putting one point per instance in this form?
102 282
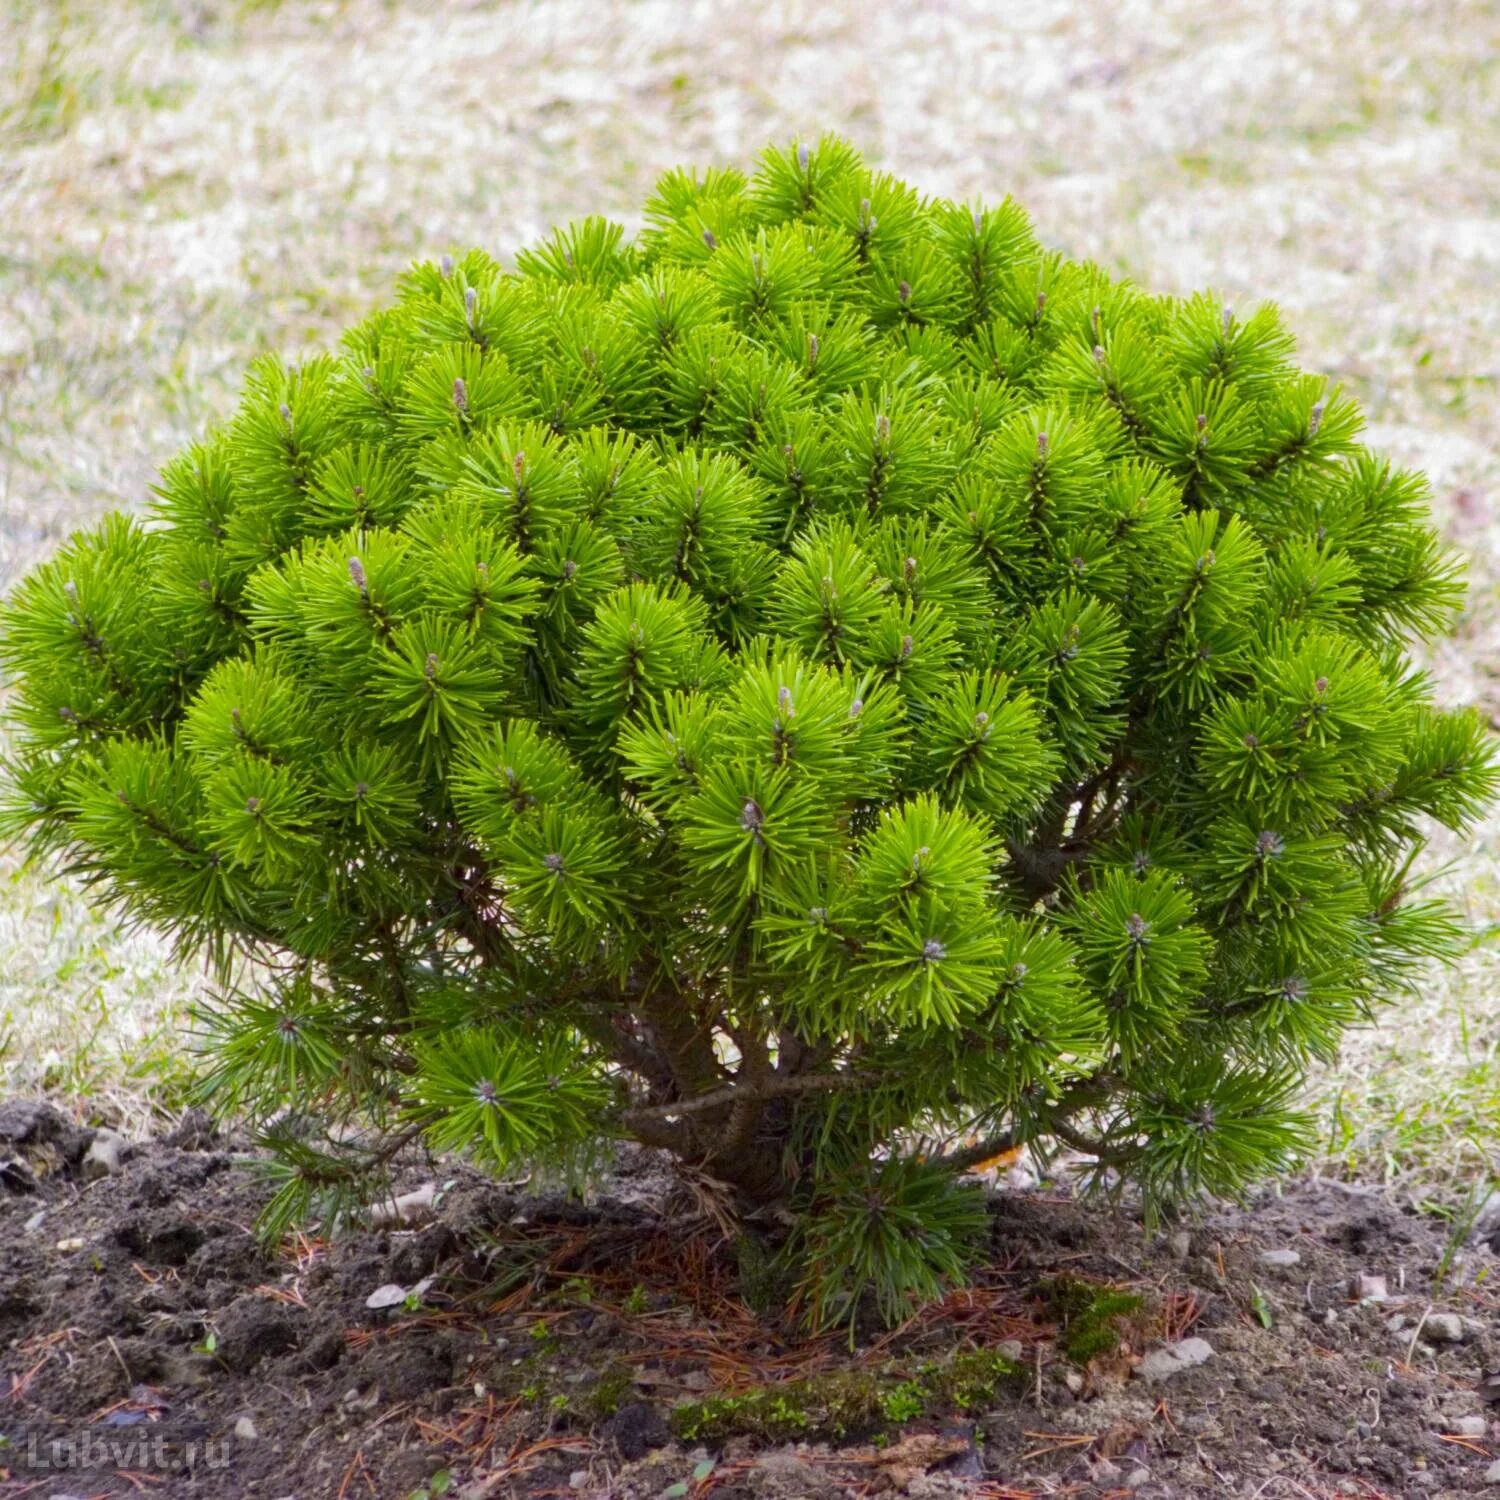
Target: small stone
1444 1328
68 1245
1470 1427
103 1156
245 1429
1371 1289
1173 1359
1492 1474
1136 1478
393 1294
35 1221
578 1478
1180 1246
1074 1381
1486 1226
1397 1323
1280 1259
1010 1349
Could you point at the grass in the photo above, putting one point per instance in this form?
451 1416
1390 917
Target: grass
185 185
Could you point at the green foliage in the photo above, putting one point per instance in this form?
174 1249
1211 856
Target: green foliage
815 680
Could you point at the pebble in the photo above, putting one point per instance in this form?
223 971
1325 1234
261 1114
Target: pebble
578 1479
1180 1245
1444 1328
1492 1474
1487 1221
1162 1364
1472 1427
245 1428
103 1157
1136 1478
1281 1259
1371 1289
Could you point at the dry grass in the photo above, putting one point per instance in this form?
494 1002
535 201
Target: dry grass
184 184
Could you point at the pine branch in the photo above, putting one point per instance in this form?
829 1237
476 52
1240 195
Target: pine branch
775 1087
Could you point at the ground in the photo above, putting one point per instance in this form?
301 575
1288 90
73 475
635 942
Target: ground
529 1346
185 184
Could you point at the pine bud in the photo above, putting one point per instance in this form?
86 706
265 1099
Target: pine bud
752 819
804 156
1315 419
252 806
933 951
286 414
471 301
813 347
1041 303
1137 929
357 573
709 240
1095 317
903 292
908 645
1098 354
460 394
784 701
1269 845
856 708
909 568
1202 421
977 220
445 267
1226 320
882 428
486 1092
1041 445
569 568
553 862
430 667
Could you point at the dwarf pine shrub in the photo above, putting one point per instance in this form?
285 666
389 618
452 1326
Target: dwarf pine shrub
818 682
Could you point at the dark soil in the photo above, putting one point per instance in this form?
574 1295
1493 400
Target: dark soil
148 1345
